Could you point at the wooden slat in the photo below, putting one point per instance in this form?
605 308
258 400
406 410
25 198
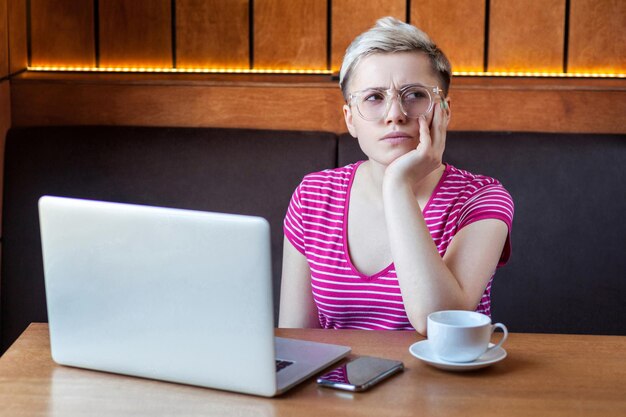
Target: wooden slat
352 17
569 105
539 108
290 34
526 35
18 53
135 33
4 40
62 32
457 27
597 39
212 34
267 106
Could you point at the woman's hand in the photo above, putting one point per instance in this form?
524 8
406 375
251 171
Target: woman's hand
417 164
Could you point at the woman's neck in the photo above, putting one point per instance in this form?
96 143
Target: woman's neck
372 174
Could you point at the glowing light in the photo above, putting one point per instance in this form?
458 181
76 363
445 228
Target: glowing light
538 74
181 70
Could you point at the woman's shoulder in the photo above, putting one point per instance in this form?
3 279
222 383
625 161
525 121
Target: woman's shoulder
477 190
478 196
467 179
337 176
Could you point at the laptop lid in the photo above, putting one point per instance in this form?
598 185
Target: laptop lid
177 295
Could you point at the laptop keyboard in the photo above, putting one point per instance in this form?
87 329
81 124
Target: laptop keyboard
280 364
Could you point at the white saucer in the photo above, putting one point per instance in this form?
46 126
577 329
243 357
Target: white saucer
421 350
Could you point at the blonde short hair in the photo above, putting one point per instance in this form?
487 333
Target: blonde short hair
390 35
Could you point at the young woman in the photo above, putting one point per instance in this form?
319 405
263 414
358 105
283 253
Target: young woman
382 243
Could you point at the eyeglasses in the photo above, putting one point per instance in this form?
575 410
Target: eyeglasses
415 100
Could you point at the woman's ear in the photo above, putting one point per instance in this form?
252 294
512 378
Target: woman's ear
347 115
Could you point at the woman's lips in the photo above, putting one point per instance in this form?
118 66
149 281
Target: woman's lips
395 138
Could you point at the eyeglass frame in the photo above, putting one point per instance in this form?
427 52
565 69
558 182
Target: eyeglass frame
430 89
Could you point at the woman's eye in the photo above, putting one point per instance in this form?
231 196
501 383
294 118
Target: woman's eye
373 97
415 95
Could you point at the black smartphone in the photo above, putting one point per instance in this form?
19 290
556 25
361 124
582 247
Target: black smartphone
360 374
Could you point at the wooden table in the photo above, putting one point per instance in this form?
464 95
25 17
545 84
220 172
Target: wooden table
543 375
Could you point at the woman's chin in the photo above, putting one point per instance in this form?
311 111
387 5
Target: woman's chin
390 157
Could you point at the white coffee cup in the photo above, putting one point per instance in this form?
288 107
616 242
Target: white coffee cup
461 336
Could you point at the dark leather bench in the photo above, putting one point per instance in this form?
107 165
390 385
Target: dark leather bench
567 273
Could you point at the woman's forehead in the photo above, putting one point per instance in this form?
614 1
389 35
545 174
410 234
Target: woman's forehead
393 69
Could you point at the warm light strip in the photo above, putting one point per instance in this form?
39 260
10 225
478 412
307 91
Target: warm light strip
537 74
181 70
313 71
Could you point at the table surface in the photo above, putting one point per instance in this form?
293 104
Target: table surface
543 374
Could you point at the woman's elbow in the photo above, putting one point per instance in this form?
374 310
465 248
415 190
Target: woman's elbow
419 325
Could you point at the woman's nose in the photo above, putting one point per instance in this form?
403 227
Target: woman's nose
394 112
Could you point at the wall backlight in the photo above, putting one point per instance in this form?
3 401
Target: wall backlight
311 71
538 74
179 70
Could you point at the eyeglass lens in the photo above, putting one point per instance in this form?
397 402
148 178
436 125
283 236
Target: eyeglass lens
415 101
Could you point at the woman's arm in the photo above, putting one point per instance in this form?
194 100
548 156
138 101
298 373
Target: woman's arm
429 283
297 307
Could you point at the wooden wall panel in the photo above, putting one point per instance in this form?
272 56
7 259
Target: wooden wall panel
4 40
5 113
597 36
352 17
546 107
62 32
18 51
135 33
290 34
526 35
457 27
212 34
267 105
570 105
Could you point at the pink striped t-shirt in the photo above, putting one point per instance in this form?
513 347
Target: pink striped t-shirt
346 299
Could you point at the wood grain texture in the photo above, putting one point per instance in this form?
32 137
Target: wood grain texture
290 34
4 40
352 17
18 48
543 374
526 35
570 105
540 108
245 105
62 32
597 39
135 33
457 27
212 34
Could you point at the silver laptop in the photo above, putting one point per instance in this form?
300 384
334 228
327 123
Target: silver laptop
169 294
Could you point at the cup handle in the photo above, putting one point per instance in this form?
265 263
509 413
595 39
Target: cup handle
504 336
